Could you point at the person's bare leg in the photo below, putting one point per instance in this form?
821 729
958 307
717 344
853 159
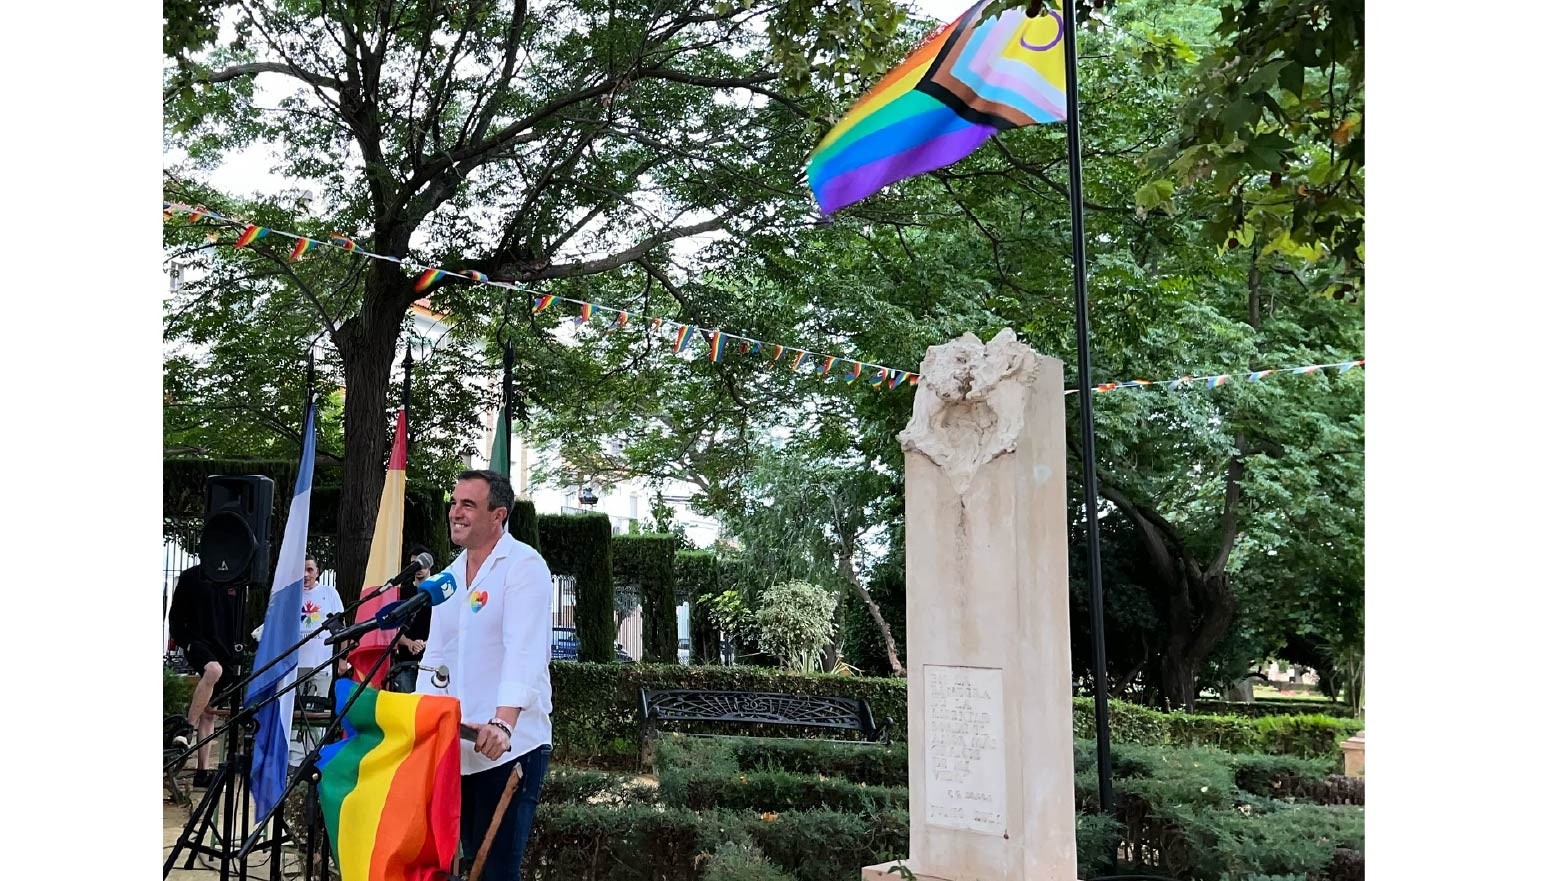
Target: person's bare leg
199 715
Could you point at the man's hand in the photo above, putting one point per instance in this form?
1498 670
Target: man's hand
492 742
414 646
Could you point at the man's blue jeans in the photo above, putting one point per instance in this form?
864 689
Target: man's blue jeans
480 795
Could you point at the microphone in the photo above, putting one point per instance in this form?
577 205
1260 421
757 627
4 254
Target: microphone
441 679
432 591
405 577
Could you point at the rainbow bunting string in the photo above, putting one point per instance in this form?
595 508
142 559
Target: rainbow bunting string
889 376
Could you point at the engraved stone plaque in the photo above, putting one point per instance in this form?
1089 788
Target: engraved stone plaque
963 726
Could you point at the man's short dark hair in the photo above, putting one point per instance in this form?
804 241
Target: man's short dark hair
500 493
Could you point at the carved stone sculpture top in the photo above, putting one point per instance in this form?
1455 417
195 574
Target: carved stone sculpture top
970 404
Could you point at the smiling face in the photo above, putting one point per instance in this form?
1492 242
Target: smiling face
473 523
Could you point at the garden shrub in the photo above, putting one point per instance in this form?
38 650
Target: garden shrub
649 561
775 791
1225 732
1307 736
828 845
580 842
581 545
1130 723
742 862
176 692
582 786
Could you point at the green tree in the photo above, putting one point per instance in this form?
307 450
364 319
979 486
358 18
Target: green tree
794 621
540 145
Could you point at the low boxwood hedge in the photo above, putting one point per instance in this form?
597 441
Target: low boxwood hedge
596 713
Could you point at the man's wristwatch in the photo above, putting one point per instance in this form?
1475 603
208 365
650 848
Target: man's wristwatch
502 725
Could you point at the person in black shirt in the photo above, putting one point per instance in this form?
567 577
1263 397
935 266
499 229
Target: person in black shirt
202 621
409 648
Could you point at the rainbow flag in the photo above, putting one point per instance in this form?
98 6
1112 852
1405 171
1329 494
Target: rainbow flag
620 321
826 366
683 336
799 359
543 302
778 352
391 790
386 558
342 241
429 277
585 313
299 251
716 345
251 234
853 374
966 82
474 274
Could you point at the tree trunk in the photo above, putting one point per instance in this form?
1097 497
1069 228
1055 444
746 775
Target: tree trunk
367 343
846 567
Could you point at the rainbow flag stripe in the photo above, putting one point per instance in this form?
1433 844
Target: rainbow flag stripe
879 377
853 374
299 251
1216 381
543 302
1177 383
585 312
964 83
428 278
912 379
342 241
1256 375
474 274
826 366
391 790
683 336
799 358
778 352
621 320
197 213
251 234
716 345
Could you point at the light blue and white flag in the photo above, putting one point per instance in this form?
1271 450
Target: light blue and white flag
281 630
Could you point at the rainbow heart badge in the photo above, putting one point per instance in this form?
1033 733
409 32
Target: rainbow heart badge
479 599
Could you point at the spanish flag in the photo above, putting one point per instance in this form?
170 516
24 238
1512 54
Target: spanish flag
386 555
391 790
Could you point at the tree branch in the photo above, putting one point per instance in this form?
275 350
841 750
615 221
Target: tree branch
237 71
605 264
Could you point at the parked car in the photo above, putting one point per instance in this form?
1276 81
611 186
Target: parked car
566 647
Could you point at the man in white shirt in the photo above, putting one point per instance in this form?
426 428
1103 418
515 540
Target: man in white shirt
494 635
318 601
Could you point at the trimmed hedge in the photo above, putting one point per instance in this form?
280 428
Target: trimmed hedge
1270 706
649 561
523 524
697 578
596 706
574 842
596 713
581 545
767 790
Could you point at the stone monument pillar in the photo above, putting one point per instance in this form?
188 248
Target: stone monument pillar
989 709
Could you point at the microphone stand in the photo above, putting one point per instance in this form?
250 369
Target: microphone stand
236 766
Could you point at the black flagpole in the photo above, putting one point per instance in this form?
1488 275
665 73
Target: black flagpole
1086 412
407 392
507 410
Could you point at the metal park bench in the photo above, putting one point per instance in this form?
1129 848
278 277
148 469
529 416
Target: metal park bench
742 708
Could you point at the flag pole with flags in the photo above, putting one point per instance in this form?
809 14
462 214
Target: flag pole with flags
386 551
966 82
281 630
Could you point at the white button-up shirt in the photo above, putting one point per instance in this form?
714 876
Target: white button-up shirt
495 635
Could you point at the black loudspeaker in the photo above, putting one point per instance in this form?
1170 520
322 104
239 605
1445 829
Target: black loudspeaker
233 548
